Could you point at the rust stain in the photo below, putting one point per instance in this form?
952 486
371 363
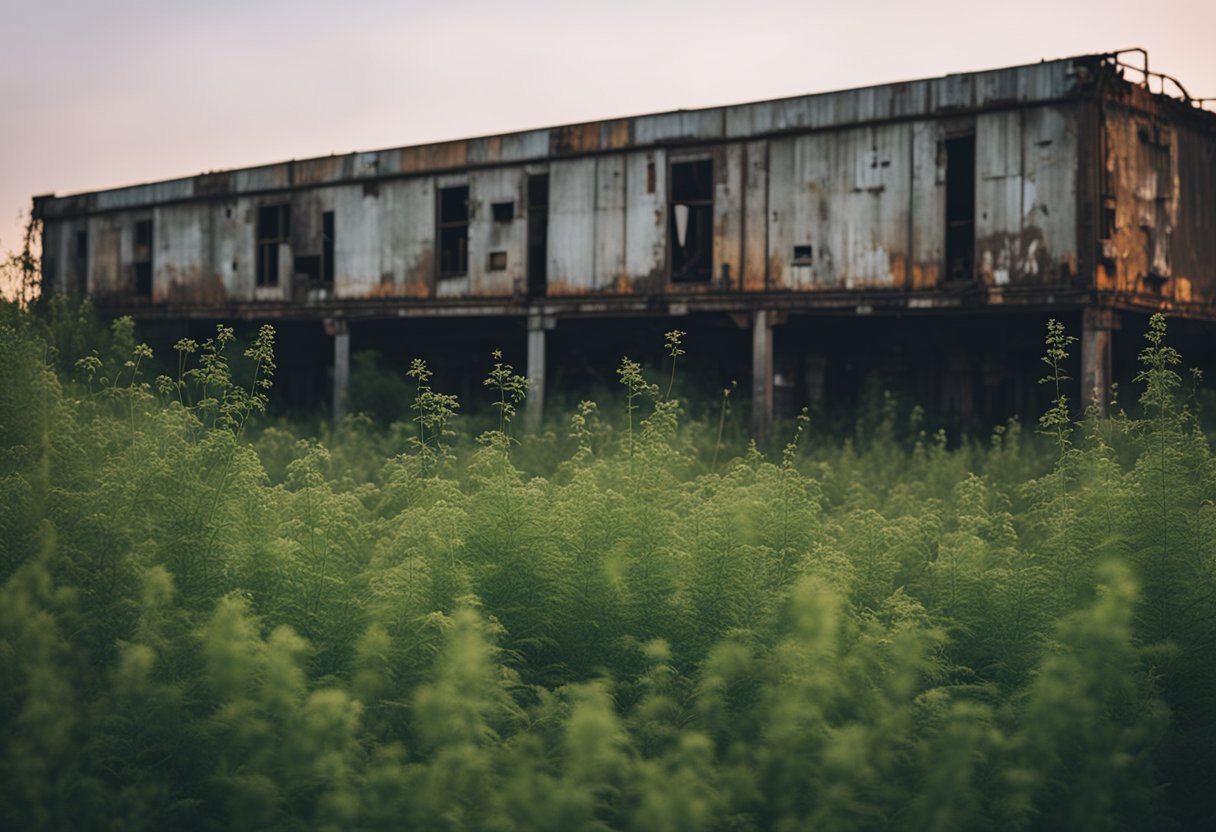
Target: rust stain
417 283
925 275
615 134
776 270
189 286
574 138
426 157
899 270
313 171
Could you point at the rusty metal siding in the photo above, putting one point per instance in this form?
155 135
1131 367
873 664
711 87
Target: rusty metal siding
728 217
571 226
1193 243
998 195
1049 250
485 235
357 242
645 221
847 196
1140 189
609 259
755 217
180 261
927 194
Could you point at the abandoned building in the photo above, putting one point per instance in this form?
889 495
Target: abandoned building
928 227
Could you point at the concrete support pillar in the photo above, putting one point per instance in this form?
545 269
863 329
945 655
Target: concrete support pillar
341 333
1096 328
534 405
762 375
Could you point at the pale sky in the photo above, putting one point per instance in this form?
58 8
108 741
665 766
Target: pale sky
102 94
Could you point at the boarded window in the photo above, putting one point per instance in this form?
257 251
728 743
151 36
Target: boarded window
453 231
143 258
498 261
960 209
691 223
274 229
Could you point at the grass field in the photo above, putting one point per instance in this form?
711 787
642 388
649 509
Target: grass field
628 623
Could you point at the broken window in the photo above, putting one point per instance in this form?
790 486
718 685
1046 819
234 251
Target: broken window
327 247
803 256
692 221
82 262
538 232
274 229
960 209
143 258
454 231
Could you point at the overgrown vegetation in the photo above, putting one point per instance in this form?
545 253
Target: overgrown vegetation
201 629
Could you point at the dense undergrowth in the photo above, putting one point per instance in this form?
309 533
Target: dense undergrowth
622 625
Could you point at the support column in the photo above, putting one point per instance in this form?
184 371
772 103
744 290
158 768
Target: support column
341 333
762 375
534 405
1096 328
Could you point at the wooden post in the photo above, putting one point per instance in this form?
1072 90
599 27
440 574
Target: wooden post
1096 328
762 375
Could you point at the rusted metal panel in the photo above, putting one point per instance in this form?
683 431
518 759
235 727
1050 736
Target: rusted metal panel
442 156
609 260
998 195
1143 194
357 243
782 223
755 217
928 206
1193 243
839 209
1048 242
521 147
728 217
685 125
571 226
488 236
646 221
144 194
325 169
181 269
267 178
412 234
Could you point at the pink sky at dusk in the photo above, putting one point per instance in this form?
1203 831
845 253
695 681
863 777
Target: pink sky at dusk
98 95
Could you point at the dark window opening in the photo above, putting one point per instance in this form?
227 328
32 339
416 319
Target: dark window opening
650 177
691 227
1109 218
803 255
308 267
327 247
960 209
82 262
538 232
503 211
498 261
143 258
274 229
453 231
